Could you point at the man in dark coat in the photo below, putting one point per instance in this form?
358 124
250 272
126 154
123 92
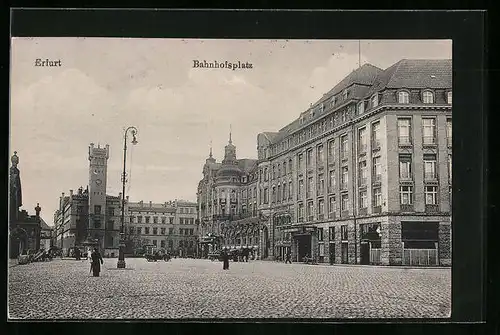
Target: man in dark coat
225 260
96 262
288 257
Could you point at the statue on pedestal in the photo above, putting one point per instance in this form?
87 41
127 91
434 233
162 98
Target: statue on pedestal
15 189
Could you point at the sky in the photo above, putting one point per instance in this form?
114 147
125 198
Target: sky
107 84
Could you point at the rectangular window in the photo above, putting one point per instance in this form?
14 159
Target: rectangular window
290 190
362 173
97 209
343 232
376 135
111 211
405 167
331 233
300 163
181 231
332 181
429 130
146 230
284 196
404 131
344 147
320 234
321 184
320 155
170 231
131 230
279 193
163 220
162 243
155 231
362 140
430 167
321 208
266 196
284 168
147 219
300 192
273 195
331 207
377 170
344 202
331 151
345 177
139 219
155 243
375 100
431 195
310 211
377 197
170 244
310 185
163 231
171 220
155 219
406 193
309 157
300 214
139 230
363 199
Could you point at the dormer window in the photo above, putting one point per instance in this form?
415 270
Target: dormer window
345 94
334 100
374 100
403 97
428 97
448 97
321 108
361 107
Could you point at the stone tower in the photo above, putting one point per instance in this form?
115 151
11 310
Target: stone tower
98 167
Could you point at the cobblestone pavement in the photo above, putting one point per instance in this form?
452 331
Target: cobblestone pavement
194 288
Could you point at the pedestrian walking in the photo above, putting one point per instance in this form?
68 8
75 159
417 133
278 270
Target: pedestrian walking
96 263
288 257
77 254
225 260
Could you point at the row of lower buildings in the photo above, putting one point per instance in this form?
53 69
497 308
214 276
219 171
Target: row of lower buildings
92 218
363 176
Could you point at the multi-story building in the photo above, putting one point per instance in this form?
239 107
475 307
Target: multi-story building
227 203
90 216
171 226
363 175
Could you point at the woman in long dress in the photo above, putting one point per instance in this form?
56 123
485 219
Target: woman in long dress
96 262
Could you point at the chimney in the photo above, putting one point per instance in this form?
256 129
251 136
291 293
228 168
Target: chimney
70 193
150 203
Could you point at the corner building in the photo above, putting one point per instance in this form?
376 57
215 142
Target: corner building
364 175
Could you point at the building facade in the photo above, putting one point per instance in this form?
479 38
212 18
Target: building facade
90 216
227 204
364 175
170 226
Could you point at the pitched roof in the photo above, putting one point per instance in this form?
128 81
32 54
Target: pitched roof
44 225
417 74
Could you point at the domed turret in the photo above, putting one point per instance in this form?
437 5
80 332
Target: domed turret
229 168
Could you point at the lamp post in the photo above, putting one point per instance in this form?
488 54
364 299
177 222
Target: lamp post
121 252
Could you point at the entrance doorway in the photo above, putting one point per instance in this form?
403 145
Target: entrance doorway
364 251
332 253
345 249
304 243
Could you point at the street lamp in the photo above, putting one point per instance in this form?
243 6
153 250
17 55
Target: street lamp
121 252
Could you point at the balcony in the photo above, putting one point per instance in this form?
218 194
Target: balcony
404 141
377 209
332 215
429 140
363 211
375 145
431 208
406 208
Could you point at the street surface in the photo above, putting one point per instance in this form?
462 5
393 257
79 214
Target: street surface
195 288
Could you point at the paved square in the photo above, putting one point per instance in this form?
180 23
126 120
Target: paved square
194 288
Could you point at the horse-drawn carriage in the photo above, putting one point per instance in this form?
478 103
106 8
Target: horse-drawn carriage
153 254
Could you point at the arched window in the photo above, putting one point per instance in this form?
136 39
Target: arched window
448 97
403 97
428 97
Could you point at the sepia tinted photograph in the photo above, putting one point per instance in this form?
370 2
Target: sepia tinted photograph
229 179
